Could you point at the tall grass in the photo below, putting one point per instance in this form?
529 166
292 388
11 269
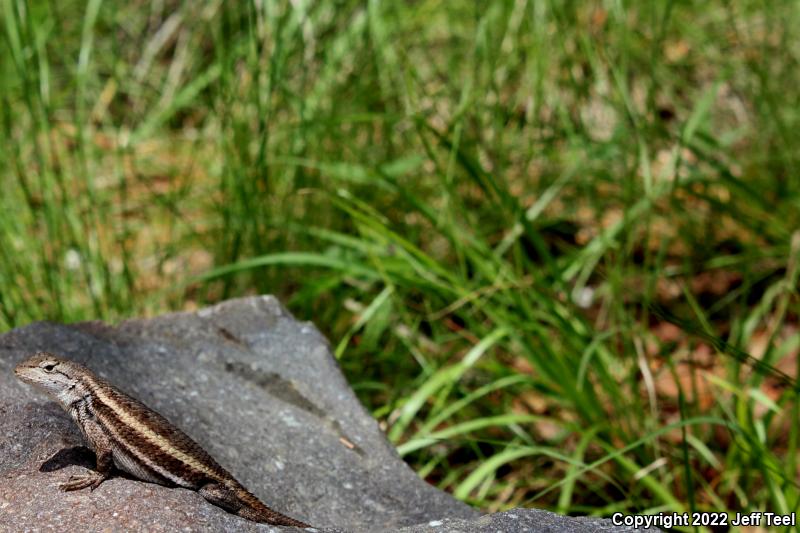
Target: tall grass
496 211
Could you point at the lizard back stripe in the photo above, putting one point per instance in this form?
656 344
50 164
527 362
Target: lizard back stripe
162 447
133 449
127 460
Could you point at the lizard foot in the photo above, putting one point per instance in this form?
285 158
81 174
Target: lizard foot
91 480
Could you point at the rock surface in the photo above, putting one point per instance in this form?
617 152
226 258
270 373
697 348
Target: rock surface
261 392
520 521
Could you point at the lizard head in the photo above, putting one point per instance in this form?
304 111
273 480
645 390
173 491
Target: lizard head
49 372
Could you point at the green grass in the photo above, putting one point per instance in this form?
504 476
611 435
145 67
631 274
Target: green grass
492 209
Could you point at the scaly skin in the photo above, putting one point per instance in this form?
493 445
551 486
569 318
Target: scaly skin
126 433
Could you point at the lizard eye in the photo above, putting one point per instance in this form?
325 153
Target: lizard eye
49 367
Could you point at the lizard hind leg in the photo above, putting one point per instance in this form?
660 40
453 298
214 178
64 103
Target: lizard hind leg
222 496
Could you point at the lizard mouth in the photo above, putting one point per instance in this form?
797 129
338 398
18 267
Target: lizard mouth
22 373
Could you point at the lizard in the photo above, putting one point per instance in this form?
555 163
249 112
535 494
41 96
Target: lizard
126 433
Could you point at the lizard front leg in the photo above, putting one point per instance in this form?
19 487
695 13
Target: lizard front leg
92 479
102 448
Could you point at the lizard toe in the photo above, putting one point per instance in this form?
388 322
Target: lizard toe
92 480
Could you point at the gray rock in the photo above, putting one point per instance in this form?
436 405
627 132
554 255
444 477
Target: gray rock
520 521
261 392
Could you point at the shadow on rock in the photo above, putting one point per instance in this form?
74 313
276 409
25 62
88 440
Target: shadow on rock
77 455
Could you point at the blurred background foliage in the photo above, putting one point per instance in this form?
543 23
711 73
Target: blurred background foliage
542 236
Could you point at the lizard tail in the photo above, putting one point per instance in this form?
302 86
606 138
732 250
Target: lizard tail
255 510
236 499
